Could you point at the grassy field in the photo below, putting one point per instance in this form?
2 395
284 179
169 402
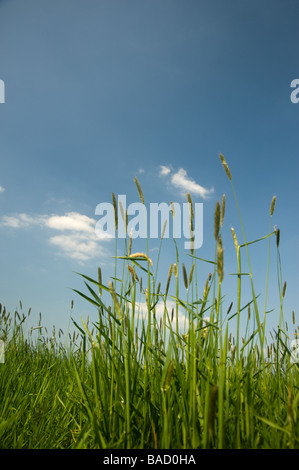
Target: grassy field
129 381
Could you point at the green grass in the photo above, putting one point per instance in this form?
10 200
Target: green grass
134 381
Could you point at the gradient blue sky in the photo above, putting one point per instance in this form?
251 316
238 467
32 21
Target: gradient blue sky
98 91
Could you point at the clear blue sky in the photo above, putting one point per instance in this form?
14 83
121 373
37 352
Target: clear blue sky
98 91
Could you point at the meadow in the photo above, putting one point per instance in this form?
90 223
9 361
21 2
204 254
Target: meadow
132 381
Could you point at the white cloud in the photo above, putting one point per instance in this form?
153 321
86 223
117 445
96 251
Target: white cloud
141 307
19 221
79 242
185 184
71 221
181 180
164 170
77 246
2 189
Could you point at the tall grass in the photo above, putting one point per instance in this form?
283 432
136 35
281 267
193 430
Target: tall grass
138 378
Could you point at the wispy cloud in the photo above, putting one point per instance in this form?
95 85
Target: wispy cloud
77 246
184 183
20 221
164 170
2 189
77 240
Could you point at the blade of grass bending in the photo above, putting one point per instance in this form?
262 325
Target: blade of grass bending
243 308
97 304
201 259
257 240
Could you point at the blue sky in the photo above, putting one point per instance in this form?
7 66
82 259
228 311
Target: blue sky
100 91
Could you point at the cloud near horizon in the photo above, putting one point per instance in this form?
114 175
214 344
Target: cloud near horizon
78 240
184 183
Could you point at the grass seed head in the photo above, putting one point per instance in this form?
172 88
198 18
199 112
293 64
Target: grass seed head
121 210
175 270
284 289
235 238
185 276
277 234
130 242
191 212
191 273
139 190
164 228
115 211
220 266
272 205
141 255
229 308
168 279
217 220
222 210
225 166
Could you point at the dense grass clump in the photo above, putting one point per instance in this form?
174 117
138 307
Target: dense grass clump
139 378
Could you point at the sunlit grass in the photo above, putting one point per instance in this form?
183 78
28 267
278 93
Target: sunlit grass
140 377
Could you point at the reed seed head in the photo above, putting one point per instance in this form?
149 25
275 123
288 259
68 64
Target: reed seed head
185 276
133 274
220 267
175 270
229 308
191 273
277 234
168 279
141 255
222 210
115 211
235 238
121 210
139 190
158 288
164 228
206 289
130 242
217 220
225 166
284 289
126 222
272 205
172 209
191 213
